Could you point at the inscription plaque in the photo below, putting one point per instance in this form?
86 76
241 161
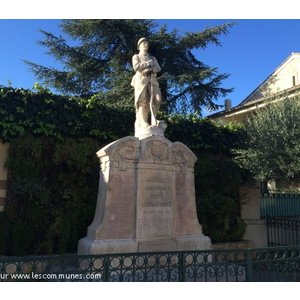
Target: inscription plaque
158 192
156 205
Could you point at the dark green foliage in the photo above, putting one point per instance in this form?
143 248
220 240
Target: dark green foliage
5 235
52 189
46 114
202 134
218 202
38 111
53 173
96 57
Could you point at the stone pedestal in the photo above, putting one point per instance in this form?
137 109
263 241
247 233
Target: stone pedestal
146 199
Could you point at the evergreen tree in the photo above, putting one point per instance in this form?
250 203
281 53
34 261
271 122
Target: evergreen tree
96 59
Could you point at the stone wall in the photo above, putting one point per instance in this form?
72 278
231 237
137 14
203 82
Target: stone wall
240 245
256 229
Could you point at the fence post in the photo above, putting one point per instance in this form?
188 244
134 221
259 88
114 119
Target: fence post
249 266
181 266
106 268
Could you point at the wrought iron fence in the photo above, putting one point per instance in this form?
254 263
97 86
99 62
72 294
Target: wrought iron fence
283 231
282 214
270 264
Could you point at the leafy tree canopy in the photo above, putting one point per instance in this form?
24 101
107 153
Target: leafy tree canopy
272 142
96 59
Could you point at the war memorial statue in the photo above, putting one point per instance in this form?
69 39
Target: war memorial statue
146 196
147 94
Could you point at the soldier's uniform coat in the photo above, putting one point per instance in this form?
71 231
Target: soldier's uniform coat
139 81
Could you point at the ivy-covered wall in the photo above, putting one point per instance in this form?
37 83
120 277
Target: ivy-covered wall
51 196
45 114
53 169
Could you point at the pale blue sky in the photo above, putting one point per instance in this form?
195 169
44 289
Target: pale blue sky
250 52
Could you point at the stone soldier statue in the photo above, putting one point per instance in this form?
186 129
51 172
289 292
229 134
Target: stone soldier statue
146 88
